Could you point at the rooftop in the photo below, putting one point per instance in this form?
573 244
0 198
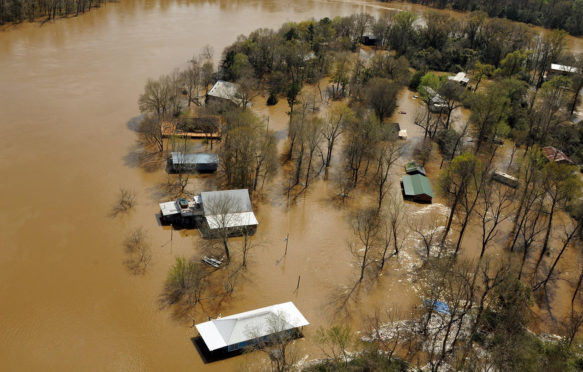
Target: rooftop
412 167
233 329
460 77
553 154
563 68
417 184
230 220
225 90
200 158
231 201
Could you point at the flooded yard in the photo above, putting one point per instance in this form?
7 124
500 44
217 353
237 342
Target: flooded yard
68 103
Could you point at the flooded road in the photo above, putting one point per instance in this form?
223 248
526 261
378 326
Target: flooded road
67 92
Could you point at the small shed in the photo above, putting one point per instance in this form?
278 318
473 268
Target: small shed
436 103
414 168
369 39
200 162
460 78
556 155
235 332
229 210
417 188
403 134
563 70
224 91
505 179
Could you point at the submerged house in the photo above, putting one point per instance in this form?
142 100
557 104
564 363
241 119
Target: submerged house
414 168
437 103
200 162
417 188
460 78
505 179
224 91
235 332
213 212
553 154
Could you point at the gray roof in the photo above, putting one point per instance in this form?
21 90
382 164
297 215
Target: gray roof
226 201
200 158
225 90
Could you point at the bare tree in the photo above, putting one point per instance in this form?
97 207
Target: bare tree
278 343
191 78
138 251
337 119
366 228
126 201
387 153
150 131
222 219
494 207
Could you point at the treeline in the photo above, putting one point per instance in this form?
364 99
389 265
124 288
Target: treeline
16 11
554 14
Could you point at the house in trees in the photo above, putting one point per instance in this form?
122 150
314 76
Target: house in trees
553 154
256 327
224 92
460 78
213 212
437 103
505 179
557 69
200 162
417 188
414 168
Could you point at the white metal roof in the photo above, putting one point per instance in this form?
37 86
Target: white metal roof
232 201
232 220
169 208
225 90
460 77
563 68
233 329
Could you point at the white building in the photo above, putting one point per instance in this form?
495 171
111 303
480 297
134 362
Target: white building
238 331
460 78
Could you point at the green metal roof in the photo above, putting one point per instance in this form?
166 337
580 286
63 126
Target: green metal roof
412 166
417 184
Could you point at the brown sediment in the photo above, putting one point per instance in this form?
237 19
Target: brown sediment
68 94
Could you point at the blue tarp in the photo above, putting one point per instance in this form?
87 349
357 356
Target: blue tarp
439 306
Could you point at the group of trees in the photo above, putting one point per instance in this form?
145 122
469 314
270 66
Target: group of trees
565 14
15 11
519 101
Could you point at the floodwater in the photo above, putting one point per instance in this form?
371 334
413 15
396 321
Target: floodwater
68 93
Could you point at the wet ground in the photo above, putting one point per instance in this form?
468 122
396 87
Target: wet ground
68 103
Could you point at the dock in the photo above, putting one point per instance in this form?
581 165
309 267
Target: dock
169 130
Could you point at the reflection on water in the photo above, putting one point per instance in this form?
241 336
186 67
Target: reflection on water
67 92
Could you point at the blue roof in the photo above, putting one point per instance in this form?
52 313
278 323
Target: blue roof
439 306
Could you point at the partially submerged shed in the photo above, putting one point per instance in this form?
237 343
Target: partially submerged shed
556 155
417 188
460 78
200 162
228 210
224 91
235 332
414 168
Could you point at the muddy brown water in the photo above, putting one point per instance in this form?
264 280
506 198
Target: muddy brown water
68 93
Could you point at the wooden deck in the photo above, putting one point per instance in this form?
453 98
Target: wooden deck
169 129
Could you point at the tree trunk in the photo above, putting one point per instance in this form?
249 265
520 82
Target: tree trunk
547 237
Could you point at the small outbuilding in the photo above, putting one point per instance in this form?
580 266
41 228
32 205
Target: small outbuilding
200 162
460 78
417 188
235 332
227 210
414 168
224 91
505 179
556 155
403 134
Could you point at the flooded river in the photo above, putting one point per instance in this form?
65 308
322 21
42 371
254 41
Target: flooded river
67 92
